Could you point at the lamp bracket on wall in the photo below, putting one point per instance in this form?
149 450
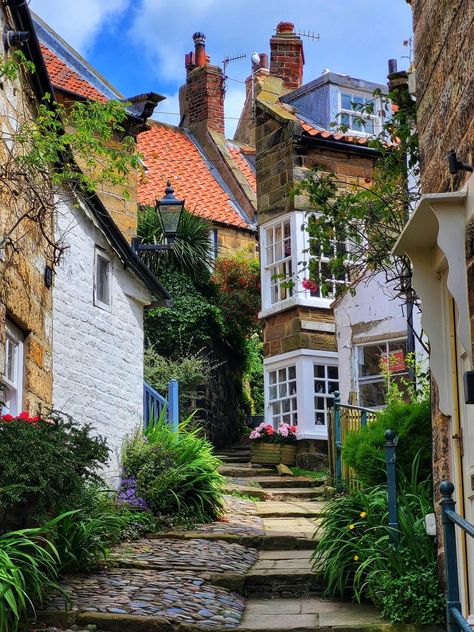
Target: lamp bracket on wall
456 165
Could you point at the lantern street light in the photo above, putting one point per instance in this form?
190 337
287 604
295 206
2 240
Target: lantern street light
169 210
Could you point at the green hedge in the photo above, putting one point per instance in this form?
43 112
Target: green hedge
364 450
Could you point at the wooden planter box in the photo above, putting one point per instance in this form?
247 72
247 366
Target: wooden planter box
273 454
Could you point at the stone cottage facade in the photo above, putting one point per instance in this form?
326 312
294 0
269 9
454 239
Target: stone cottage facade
438 240
294 135
99 287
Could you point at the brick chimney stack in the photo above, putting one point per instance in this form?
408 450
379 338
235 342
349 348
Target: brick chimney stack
204 106
287 56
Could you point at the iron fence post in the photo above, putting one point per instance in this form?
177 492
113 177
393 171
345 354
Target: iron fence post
338 439
390 460
173 406
452 582
363 418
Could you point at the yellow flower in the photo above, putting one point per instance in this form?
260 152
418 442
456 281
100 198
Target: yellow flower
352 526
363 514
356 558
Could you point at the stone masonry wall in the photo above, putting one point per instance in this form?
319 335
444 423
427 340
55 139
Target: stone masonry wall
97 354
444 61
283 331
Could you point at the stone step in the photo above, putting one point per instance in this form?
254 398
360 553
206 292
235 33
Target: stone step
249 490
292 534
237 459
297 509
293 494
246 471
278 482
309 614
284 574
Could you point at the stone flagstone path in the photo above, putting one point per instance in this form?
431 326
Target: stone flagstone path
248 571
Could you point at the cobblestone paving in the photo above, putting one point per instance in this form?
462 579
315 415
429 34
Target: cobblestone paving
180 596
240 519
209 555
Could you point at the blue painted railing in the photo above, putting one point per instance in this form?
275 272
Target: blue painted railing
451 519
154 403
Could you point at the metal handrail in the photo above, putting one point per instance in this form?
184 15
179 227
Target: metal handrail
451 519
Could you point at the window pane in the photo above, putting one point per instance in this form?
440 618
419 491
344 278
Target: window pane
285 406
103 287
273 392
370 358
357 124
369 126
292 373
10 360
332 387
276 408
346 120
320 403
372 393
346 101
269 255
333 372
319 370
272 376
320 419
282 375
319 386
292 388
282 390
357 101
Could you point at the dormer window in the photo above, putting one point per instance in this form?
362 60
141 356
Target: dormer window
352 114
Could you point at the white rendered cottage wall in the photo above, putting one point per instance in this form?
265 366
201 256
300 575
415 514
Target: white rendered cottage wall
97 354
372 315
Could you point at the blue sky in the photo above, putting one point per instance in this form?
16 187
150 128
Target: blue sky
139 45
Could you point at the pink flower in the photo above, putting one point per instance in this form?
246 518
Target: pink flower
254 434
283 431
309 284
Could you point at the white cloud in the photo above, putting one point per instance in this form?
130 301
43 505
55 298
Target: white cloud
79 21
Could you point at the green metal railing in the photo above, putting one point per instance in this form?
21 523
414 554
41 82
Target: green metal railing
451 520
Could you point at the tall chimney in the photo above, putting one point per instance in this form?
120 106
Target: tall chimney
287 56
204 89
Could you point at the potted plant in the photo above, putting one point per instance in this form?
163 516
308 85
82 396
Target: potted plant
271 447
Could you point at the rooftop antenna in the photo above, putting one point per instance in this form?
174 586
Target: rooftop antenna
309 34
227 60
409 43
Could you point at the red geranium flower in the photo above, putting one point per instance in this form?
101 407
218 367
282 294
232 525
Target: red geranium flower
293 428
8 417
24 415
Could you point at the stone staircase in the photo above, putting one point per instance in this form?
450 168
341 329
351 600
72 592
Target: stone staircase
249 571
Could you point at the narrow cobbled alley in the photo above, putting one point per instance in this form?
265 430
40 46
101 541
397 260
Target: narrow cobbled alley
249 571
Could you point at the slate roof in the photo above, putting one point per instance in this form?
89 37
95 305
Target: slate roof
172 152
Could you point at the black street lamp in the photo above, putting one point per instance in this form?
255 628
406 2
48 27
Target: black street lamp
169 211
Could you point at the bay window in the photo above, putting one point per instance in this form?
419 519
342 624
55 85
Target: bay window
278 260
299 390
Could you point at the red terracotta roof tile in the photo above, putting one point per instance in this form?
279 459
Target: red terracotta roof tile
169 152
243 165
64 77
312 131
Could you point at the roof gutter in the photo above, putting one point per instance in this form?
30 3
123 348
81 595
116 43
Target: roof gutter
42 87
360 150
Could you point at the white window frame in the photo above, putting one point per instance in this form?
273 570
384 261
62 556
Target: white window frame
299 256
283 393
100 253
376 118
327 395
275 263
13 389
304 360
376 378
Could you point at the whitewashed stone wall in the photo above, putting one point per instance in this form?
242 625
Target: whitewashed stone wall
97 355
372 315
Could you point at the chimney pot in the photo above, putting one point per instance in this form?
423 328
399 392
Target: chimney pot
263 60
200 49
285 27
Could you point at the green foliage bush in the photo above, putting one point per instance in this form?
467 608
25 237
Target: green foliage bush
364 450
192 371
191 324
46 465
357 559
176 472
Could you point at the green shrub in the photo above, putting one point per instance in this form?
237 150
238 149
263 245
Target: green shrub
45 466
29 565
412 597
357 559
176 472
364 450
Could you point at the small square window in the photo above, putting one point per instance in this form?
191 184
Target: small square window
102 280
